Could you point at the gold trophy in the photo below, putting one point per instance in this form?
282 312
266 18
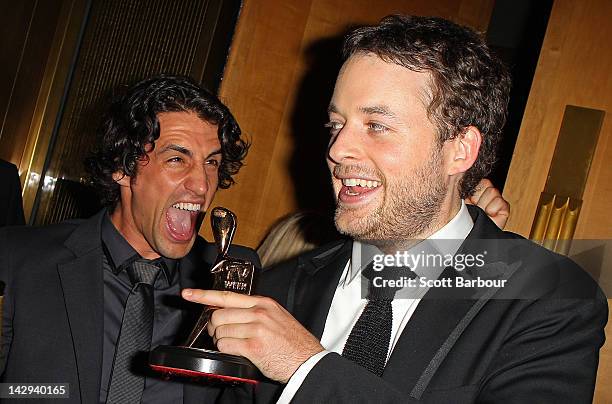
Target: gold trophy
193 359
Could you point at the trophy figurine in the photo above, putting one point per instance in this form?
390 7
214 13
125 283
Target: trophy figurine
193 359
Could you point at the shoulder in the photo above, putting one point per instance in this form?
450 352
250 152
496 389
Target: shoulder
25 246
534 271
309 259
541 272
275 280
18 237
29 252
552 274
7 167
9 174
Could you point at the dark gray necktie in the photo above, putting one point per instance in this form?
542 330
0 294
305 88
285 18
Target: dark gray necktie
127 385
369 340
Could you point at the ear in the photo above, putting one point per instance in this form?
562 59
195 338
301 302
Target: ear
463 150
121 179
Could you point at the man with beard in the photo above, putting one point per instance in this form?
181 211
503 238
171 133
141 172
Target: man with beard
415 118
85 299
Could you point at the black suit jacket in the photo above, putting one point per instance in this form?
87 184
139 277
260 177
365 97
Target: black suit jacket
52 323
11 206
537 341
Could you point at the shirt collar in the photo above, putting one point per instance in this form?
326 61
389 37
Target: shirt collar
121 254
446 240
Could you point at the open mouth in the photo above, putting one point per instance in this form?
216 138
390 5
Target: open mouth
181 219
357 189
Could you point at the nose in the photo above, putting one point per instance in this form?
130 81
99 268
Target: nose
198 181
344 147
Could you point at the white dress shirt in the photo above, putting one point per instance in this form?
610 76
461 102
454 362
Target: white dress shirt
348 302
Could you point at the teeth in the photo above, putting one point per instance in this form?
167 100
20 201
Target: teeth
352 182
193 207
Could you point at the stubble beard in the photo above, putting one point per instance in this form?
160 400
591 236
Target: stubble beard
410 208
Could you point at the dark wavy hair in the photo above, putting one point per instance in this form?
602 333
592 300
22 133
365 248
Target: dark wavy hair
469 86
132 124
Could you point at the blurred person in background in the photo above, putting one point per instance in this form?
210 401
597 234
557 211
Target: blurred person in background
11 205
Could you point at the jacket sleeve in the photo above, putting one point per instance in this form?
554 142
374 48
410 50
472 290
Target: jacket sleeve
551 354
339 380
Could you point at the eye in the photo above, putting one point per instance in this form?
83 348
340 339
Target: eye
213 162
175 159
377 127
334 127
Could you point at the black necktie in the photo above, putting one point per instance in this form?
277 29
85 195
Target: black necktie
126 386
368 342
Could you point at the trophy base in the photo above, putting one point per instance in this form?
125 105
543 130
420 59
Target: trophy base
196 362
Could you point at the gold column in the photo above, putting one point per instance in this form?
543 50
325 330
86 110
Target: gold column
560 202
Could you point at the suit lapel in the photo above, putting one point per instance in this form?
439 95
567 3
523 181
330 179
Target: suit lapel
433 320
312 288
440 317
82 285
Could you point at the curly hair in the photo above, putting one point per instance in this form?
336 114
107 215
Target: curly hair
468 87
131 127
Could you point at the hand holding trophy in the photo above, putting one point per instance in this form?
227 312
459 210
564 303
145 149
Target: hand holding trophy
230 274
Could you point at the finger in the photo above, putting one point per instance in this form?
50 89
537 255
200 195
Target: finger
210 328
237 346
482 186
487 196
250 330
492 202
237 316
219 298
499 211
497 206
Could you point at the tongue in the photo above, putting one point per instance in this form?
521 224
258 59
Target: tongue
358 189
180 222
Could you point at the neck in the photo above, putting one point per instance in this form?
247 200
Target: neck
123 221
449 208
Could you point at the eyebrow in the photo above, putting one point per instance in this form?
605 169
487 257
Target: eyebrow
378 110
218 151
372 110
186 151
177 148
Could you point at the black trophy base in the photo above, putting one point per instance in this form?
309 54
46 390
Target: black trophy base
196 362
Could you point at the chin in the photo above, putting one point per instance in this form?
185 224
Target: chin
355 226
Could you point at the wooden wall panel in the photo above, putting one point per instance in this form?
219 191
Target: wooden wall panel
28 32
279 95
574 68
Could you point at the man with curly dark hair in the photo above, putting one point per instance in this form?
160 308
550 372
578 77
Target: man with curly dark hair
415 118
132 125
73 289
